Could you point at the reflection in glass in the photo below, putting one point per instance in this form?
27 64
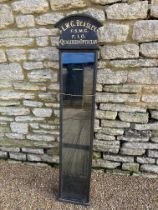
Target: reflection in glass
77 98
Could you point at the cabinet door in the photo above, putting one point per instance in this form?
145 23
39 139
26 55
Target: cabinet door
77 109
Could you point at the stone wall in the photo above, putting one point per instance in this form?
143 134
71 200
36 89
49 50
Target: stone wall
126 126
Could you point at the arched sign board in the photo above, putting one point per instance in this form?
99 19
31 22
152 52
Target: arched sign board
78 44
78 32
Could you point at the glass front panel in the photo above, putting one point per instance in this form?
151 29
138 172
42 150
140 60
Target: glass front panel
77 92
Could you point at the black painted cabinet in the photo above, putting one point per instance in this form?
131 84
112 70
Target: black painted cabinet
77 120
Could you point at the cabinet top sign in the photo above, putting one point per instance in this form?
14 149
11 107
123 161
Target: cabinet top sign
78 32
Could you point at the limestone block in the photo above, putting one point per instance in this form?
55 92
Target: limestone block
40 137
150 89
126 88
153 153
112 131
149 49
146 160
140 145
32 65
50 159
8 33
16 42
4 128
145 30
11 94
28 119
41 54
38 32
47 96
154 139
150 98
2 56
105 164
121 108
112 97
15 136
154 10
104 2
149 126
132 63
25 143
96 155
54 86
6 16
56 112
134 167
115 124
17 156
99 88
30 103
124 11
48 126
19 127
23 21
54 41
30 6
33 151
3 0
9 103
134 117
102 136
120 51
51 64
42 41
108 76
6 119
10 149
28 86
42 112
144 76
105 114
16 54
5 84
42 131
34 158
34 125
154 115
106 146
97 125
49 18
15 111
1 135
99 14
130 151
141 135
67 4
149 168
12 71
42 75
3 154
153 2
133 138
118 158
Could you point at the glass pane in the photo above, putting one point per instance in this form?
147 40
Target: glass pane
77 73
76 122
77 99
75 162
75 174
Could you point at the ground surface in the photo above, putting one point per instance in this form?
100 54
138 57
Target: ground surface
24 187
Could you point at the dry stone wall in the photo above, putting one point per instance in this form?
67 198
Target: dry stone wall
126 124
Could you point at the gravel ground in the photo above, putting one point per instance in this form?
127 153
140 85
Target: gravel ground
24 187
